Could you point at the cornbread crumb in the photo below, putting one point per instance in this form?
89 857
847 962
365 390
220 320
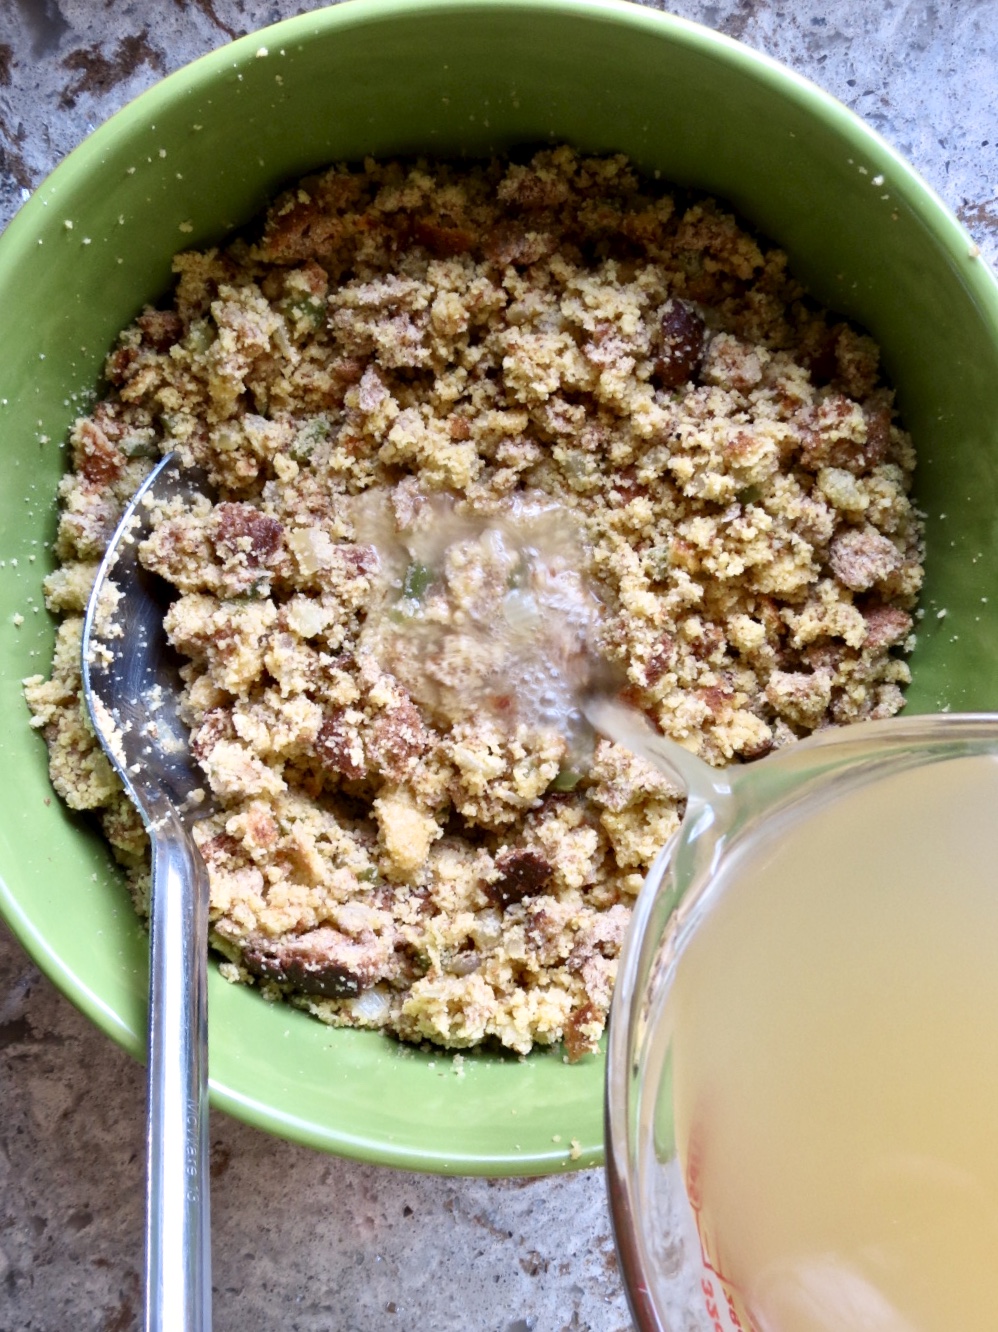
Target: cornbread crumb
410 364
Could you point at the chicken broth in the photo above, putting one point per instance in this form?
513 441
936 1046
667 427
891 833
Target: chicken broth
834 1084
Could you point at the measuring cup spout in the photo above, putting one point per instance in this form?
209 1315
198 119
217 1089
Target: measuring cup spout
617 722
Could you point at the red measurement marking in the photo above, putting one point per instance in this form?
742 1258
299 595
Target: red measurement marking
724 1306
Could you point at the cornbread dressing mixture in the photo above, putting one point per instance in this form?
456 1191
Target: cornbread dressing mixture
467 428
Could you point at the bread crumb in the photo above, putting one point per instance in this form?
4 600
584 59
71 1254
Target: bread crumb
409 360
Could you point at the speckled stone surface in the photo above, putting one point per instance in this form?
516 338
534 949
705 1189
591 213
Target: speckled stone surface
302 1242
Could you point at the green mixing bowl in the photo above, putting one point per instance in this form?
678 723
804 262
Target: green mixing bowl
199 154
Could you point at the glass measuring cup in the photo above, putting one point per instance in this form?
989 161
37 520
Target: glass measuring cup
802 1077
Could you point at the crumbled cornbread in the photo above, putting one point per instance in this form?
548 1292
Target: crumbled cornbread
398 840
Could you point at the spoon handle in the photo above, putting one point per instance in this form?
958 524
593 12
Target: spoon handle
178 1250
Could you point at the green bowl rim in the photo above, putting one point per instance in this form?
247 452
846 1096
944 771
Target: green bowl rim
939 218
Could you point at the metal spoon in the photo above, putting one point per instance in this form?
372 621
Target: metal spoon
131 687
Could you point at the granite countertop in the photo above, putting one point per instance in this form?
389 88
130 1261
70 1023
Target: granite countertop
304 1242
